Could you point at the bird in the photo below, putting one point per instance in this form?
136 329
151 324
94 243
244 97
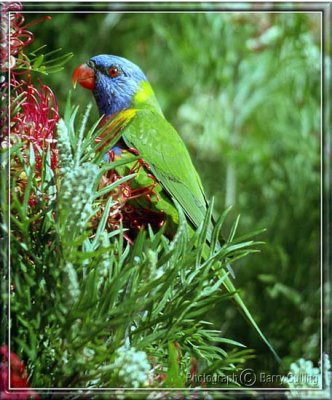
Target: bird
119 86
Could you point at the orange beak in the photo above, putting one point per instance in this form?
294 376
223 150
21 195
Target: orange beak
85 76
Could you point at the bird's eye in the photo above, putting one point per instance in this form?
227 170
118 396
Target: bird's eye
113 72
91 64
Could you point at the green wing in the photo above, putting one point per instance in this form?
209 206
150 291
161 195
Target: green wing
162 148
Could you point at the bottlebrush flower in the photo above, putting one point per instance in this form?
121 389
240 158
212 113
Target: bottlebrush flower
34 112
14 36
124 210
65 155
131 367
76 195
18 377
35 120
9 40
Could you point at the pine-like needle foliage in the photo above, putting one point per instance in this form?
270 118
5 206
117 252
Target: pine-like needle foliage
85 304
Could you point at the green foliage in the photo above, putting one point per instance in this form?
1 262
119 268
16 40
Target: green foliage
80 291
43 63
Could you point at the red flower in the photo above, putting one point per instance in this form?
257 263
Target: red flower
18 377
126 211
14 35
35 121
14 38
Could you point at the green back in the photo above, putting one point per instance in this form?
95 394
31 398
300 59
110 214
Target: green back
162 148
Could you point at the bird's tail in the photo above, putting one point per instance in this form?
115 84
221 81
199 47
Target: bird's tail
215 244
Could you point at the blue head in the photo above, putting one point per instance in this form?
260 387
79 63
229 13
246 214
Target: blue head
113 80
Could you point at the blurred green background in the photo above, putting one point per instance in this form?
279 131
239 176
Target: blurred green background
243 90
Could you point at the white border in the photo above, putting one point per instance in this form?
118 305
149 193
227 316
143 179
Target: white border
176 2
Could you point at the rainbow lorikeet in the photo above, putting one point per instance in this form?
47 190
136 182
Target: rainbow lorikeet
120 86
